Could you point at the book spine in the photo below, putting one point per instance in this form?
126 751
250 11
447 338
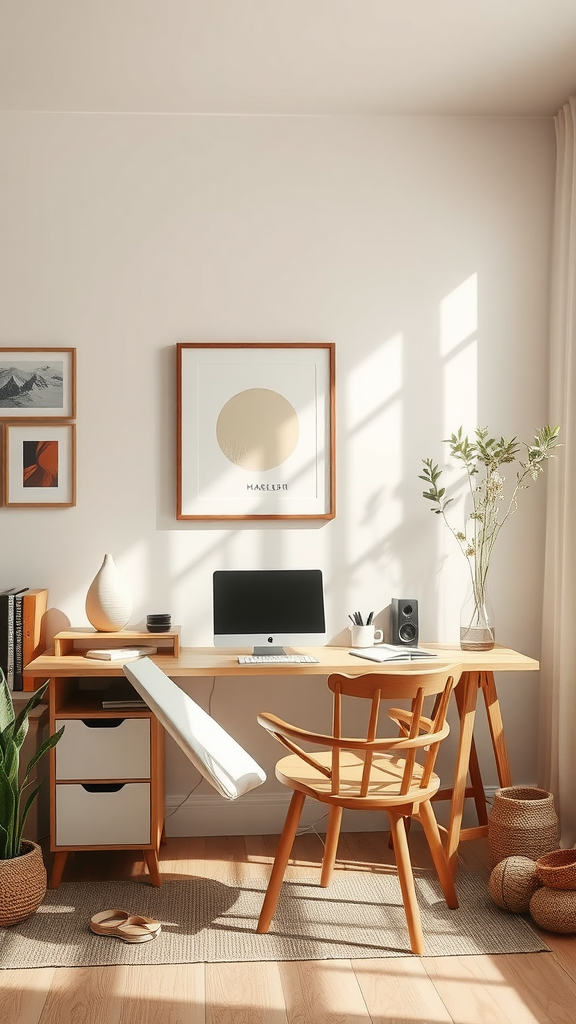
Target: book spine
4 633
18 641
8 651
34 606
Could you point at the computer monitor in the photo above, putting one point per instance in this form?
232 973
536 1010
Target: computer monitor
267 608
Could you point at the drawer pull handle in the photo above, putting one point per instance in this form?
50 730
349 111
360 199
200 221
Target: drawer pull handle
102 723
102 787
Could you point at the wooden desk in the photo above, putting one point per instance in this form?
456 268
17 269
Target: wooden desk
478 668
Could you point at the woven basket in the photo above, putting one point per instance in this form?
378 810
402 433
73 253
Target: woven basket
554 910
522 823
22 885
512 884
557 870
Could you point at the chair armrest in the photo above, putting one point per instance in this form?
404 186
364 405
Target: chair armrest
403 719
285 731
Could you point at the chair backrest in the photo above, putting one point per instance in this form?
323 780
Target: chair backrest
215 754
415 731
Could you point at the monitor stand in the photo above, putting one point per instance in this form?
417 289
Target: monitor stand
261 652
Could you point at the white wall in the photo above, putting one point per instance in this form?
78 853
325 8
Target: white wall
420 246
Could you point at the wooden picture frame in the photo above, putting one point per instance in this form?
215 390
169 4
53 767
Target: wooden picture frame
39 464
255 431
37 382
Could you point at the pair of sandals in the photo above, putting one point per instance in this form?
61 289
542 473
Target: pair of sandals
125 926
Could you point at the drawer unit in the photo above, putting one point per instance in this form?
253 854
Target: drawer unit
107 770
100 815
103 748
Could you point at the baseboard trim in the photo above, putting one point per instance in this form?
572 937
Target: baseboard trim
254 814
259 813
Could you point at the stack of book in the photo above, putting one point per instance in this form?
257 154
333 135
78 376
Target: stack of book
21 640
122 695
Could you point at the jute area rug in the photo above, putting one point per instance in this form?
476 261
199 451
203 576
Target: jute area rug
360 916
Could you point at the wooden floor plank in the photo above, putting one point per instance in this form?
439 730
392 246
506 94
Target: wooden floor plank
399 991
87 994
246 993
365 851
322 992
548 992
225 857
23 994
563 950
521 988
305 860
183 858
164 994
259 856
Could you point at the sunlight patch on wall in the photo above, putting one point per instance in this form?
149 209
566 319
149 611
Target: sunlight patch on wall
374 417
459 315
459 353
371 384
132 563
459 359
460 391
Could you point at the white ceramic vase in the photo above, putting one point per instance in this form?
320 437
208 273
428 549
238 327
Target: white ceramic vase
108 601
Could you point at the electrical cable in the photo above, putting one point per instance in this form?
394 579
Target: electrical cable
312 828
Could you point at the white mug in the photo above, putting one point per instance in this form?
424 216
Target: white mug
365 636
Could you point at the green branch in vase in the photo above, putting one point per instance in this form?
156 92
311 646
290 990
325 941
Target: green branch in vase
482 457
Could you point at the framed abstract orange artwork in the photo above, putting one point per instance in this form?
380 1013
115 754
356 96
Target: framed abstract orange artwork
39 465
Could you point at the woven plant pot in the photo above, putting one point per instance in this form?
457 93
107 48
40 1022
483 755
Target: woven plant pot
554 910
22 885
557 870
522 823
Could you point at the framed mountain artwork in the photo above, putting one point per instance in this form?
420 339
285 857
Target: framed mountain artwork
37 382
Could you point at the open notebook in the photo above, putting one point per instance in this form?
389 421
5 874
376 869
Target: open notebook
389 652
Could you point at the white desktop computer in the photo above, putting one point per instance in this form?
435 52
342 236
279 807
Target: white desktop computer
267 609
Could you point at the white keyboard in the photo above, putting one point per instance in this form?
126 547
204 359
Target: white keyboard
277 659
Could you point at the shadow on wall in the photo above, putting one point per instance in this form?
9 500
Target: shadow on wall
53 621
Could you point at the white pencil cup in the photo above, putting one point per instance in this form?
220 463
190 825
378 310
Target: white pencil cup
365 636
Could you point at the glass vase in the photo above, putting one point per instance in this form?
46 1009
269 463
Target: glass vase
477 621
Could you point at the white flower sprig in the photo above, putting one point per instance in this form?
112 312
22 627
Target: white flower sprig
482 458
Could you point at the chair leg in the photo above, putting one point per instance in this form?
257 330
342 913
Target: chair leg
332 837
406 878
280 862
407 824
432 833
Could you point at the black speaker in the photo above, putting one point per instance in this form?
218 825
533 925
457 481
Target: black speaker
404 621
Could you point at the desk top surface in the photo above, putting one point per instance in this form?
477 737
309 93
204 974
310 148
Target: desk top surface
209 661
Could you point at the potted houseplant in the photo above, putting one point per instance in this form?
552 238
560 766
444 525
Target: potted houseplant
482 458
22 871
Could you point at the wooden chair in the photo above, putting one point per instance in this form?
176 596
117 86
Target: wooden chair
371 774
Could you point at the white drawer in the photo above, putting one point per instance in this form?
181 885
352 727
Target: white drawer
94 751
114 818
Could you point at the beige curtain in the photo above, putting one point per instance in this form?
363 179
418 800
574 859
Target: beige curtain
558 662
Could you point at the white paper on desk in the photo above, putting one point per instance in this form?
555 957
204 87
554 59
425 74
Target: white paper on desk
215 754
